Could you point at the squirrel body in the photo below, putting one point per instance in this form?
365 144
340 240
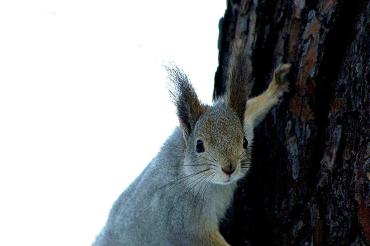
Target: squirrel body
150 211
181 196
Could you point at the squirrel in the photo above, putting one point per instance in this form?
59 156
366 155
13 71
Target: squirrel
184 192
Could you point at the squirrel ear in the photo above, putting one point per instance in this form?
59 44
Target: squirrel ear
239 76
189 108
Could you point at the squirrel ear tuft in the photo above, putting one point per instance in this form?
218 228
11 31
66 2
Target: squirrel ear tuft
189 108
238 81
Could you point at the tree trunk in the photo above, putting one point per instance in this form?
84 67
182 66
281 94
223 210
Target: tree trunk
310 180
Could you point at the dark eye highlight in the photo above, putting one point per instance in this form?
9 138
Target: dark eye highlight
245 143
200 146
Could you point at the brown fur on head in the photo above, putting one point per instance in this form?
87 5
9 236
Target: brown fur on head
217 136
213 134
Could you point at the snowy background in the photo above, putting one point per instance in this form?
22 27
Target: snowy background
84 105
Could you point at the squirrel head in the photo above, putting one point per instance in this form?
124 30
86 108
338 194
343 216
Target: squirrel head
216 145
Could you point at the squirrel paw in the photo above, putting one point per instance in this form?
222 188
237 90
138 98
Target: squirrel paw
281 72
279 83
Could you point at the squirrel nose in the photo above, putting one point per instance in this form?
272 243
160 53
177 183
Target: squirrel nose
229 169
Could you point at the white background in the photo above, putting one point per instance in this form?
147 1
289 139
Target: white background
84 105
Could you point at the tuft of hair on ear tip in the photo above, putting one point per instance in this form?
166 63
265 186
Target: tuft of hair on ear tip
179 83
188 106
239 78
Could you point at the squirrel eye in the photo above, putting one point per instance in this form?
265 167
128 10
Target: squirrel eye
200 146
245 143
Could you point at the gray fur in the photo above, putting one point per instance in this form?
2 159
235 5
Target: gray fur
162 208
181 196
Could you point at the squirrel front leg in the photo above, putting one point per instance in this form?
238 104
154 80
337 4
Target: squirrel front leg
259 106
218 240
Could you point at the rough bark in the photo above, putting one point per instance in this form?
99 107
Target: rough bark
310 180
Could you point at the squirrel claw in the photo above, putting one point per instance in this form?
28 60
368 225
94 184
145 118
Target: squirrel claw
281 72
